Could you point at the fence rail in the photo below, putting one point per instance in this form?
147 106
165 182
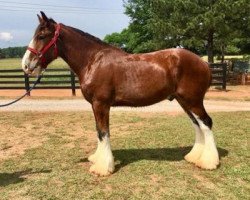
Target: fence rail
219 74
66 79
53 79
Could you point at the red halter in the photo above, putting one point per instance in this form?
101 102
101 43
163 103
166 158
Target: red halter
40 54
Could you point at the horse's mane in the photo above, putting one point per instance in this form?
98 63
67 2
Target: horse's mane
87 35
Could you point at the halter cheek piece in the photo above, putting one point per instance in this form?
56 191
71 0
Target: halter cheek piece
40 54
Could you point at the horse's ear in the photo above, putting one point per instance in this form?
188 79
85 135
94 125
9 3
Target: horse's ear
40 19
44 17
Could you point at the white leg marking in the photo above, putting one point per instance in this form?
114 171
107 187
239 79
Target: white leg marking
198 147
93 157
103 160
209 158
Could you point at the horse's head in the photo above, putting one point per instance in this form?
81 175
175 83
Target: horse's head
42 48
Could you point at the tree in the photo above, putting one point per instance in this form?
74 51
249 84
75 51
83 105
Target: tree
12 52
199 25
123 40
136 38
1 54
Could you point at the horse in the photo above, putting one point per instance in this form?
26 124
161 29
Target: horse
109 76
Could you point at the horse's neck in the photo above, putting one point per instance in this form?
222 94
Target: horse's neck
77 50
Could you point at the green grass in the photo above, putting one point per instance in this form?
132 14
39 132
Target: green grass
148 149
15 63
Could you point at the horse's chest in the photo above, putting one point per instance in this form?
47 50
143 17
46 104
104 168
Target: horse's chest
87 85
96 82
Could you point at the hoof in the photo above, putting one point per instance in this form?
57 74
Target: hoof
191 158
194 155
92 158
207 164
100 170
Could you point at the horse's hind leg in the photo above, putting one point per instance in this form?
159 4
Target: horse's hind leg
209 158
102 159
195 153
204 153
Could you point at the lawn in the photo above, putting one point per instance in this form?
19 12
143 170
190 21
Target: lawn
15 63
44 156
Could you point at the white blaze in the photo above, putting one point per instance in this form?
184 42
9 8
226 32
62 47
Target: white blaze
25 60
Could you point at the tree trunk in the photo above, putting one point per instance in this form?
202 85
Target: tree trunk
222 53
210 46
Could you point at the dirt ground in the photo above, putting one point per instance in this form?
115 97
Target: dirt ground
241 92
232 93
234 99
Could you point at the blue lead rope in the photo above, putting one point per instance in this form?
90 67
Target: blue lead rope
31 88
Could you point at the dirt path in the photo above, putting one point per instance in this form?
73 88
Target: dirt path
82 105
233 93
236 98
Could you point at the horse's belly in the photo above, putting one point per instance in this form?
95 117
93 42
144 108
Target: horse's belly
140 100
141 88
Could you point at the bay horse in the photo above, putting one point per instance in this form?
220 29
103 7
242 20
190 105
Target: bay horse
109 76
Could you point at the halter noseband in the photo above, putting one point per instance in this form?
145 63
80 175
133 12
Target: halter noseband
40 54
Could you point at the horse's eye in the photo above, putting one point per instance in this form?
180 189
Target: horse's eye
41 37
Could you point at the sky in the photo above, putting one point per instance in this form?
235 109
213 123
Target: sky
18 18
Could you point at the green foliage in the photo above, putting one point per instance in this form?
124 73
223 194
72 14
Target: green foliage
125 40
199 25
1 54
12 52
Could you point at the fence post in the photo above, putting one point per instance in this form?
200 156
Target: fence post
224 81
73 83
27 83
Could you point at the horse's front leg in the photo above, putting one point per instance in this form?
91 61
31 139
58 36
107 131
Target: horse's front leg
102 159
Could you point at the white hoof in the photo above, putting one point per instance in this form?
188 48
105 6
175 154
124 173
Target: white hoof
102 168
206 165
195 153
92 158
208 160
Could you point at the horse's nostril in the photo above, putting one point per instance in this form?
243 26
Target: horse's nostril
25 67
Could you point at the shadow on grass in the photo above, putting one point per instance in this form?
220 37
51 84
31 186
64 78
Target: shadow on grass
127 156
17 177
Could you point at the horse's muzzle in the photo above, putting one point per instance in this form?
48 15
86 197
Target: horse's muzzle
32 71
